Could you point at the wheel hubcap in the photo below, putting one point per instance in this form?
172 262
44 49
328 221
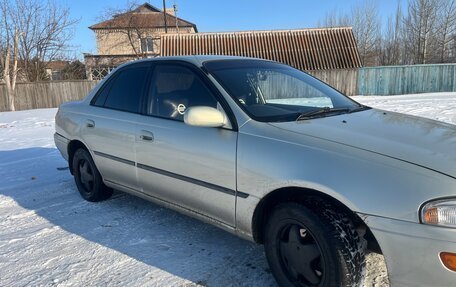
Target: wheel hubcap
86 175
301 256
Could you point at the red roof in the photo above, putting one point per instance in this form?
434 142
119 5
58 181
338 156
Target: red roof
305 49
145 16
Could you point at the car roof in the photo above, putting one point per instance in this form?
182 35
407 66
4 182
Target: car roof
197 60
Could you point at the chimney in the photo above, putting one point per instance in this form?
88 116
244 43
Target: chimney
170 11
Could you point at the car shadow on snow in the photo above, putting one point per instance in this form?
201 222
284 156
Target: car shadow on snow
38 180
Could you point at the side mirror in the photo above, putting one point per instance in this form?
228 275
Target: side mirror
203 116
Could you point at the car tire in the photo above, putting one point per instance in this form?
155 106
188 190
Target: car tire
314 246
88 179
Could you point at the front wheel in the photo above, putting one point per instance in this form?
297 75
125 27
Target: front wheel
88 179
313 247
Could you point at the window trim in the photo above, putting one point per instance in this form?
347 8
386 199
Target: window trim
199 72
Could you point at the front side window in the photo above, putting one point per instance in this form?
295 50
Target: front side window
174 89
271 91
124 91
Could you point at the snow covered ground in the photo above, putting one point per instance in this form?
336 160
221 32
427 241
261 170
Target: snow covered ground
49 236
436 106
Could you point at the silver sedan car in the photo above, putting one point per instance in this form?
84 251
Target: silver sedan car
273 155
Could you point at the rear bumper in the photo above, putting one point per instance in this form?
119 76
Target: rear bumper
411 251
61 143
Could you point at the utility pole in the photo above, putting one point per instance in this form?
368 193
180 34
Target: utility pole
175 16
164 16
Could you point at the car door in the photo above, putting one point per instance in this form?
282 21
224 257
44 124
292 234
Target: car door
192 167
109 128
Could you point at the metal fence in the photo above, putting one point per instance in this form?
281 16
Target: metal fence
389 80
343 80
396 80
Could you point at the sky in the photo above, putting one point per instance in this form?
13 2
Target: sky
227 15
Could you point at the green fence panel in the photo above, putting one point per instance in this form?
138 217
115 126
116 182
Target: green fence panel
397 80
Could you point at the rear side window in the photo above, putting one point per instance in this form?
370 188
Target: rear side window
100 99
124 92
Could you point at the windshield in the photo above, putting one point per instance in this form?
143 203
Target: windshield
272 92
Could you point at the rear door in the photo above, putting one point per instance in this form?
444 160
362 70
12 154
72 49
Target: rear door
109 130
192 167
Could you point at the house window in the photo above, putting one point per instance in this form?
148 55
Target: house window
148 45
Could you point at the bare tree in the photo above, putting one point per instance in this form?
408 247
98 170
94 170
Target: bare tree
446 31
424 33
420 29
367 29
366 25
32 33
45 31
74 70
392 43
9 55
133 30
335 19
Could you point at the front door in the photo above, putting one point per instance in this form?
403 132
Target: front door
192 167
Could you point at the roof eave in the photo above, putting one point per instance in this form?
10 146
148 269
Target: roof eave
151 27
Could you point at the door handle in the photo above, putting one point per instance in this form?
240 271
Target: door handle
146 136
90 124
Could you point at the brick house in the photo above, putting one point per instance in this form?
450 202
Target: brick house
132 35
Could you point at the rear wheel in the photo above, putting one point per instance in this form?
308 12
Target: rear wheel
313 247
88 179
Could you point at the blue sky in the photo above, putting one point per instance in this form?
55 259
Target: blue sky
227 15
